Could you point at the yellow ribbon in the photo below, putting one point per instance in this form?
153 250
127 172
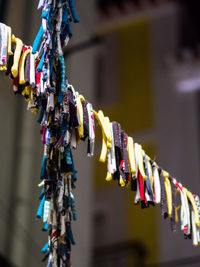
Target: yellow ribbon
131 155
80 98
192 201
9 46
168 192
17 54
21 66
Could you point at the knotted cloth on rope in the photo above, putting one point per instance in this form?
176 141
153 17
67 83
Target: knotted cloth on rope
66 119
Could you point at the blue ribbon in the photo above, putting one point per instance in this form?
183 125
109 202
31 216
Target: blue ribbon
71 237
37 40
41 114
74 177
45 228
45 248
68 155
73 208
40 208
73 11
69 29
45 15
60 97
42 194
43 169
39 68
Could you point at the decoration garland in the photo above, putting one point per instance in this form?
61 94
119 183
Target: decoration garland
66 118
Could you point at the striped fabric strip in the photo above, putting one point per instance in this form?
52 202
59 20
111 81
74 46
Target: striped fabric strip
164 208
46 210
62 64
148 182
173 218
124 137
68 156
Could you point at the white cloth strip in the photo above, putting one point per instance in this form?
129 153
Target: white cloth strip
50 102
3 44
32 70
156 181
91 129
46 210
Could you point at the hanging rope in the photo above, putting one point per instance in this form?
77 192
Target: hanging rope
66 119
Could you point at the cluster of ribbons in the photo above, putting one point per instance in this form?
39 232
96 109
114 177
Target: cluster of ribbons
38 74
66 119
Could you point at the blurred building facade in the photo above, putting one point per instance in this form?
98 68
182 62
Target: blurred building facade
136 76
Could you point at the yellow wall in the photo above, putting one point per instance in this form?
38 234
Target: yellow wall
134 111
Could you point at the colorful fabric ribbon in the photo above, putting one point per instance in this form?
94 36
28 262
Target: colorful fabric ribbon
66 118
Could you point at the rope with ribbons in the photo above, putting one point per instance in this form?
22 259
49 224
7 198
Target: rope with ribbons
66 119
